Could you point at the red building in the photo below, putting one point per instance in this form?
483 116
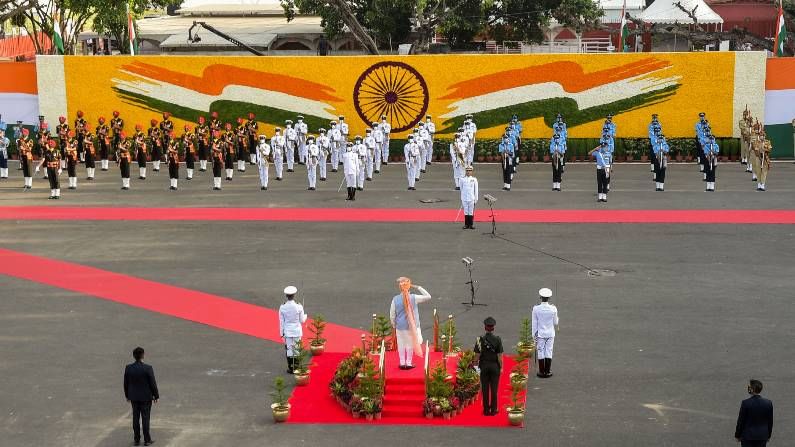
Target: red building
758 17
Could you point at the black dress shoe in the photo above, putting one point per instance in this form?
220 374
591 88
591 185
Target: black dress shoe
422 170
136 442
458 188
290 170
322 179
333 170
262 188
410 366
377 171
150 442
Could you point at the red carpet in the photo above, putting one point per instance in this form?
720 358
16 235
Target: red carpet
396 215
314 404
200 307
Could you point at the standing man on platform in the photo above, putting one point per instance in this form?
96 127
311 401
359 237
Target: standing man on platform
140 389
405 318
291 319
469 197
545 321
755 421
488 356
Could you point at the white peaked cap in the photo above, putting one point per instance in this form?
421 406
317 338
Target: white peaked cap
545 293
290 290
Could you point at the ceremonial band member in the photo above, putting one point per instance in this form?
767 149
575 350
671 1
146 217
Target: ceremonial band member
301 131
350 167
488 357
544 323
411 151
469 197
424 140
405 317
291 320
378 139
344 129
324 144
25 150
602 170
166 129
228 144
218 159
251 129
72 159
291 140
172 158
80 128
242 144
372 149
386 129
760 159
124 158
52 158
103 140
506 154
62 130
337 145
155 144
361 152
89 155
203 139
117 126
745 133
139 143
4 143
189 148
458 149
263 152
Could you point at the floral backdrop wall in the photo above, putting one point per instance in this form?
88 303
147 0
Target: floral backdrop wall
582 87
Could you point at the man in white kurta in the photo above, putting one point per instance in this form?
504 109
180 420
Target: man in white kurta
405 318
469 197
291 320
545 320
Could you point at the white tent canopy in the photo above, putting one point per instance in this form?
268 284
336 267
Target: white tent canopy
666 11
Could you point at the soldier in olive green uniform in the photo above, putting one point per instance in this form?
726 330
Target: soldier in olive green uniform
488 350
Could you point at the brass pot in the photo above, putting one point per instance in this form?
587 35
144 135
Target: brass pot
280 413
301 379
516 417
317 349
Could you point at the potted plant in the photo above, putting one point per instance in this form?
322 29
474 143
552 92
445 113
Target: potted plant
427 407
535 149
520 370
382 329
357 404
368 409
300 367
317 344
446 408
438 387
517 407
280 408
526 343
451 345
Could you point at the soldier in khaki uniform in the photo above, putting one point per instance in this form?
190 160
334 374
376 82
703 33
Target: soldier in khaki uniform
760 156
745 134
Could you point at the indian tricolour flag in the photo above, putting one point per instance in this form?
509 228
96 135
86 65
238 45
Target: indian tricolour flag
624 29
779 100
131 32
57 40
19 100
781 31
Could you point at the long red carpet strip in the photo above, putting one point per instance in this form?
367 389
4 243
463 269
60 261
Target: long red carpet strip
396 215
212 310
313 404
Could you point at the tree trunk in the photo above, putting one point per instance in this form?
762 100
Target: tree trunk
356 28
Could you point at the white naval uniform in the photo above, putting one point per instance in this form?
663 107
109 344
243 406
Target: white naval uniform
263 151
344 131
324 144
427 150
361 151
291 319
277 146
469 194
378 138
470 131
292 141
386 129
350 163
337 149
312 158
431 128
545 318
413 158
459 147
301 129
369 143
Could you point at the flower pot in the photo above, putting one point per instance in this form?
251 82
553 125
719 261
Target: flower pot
302 378
378 416
524 348
519 378
280 413
490 158
534 158
546 158
355 414
317 349
369 416
523 158
447 415
481 158
429 415
688 158
437 410
644 158
516 417
679 157
630 157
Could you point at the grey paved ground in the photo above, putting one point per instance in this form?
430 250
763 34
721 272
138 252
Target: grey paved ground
692 313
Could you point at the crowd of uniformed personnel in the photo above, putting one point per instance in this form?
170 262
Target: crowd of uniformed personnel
229 147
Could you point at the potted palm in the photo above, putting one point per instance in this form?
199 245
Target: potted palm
517 408
317 344
520 369
301 368
280 408
526 343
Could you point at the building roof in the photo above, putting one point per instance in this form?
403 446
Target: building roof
162 28
212 41
666 11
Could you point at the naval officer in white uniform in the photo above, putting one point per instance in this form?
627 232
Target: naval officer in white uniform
291 320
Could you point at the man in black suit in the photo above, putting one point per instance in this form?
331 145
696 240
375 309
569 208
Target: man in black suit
140 389
755 422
